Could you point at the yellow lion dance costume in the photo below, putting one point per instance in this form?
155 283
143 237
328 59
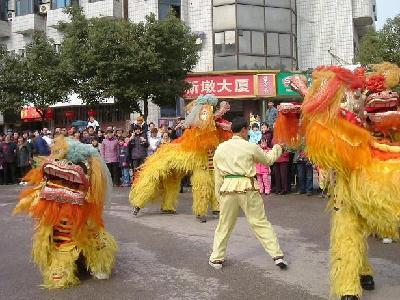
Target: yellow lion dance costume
365 196
160 176
65 198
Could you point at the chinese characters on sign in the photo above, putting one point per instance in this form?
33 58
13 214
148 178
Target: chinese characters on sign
221 86
266 85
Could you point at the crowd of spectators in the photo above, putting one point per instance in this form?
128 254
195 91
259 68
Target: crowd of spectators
122 150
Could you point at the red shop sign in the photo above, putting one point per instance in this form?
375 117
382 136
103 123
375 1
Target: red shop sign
225 86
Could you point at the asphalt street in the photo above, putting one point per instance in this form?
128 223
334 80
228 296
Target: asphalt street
165 256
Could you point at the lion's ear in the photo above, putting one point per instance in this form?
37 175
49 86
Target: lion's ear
98 181
60 147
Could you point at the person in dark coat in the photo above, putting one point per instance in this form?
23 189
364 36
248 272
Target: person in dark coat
9 153
24 157
138 147
41 146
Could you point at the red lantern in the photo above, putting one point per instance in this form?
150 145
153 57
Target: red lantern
91 112
49 115
70 114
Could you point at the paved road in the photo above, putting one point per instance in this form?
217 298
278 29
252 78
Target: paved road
165 257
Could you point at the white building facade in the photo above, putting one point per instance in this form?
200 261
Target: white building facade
235 34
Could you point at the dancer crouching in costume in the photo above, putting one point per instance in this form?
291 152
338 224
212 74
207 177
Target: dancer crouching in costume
236 187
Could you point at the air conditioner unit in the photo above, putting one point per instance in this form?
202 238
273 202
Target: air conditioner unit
44 8
10 16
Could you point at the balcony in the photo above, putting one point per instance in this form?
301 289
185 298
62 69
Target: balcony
5 29
363 12
54 16
104 8
27 24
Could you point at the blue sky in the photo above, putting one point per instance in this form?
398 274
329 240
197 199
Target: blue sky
386 9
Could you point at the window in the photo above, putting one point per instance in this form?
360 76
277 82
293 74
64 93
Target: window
278 19
225 42
244 41
222 2
165 6
247 62
224 17
272 44
250 17
225 63
253 2
251 42
285 45
4 10
273 63
25 7
171 111
63 3
278 3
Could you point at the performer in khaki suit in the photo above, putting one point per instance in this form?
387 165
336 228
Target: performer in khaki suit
236 187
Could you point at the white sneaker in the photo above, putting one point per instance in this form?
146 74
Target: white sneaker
387 240
101 276
217 264
280 262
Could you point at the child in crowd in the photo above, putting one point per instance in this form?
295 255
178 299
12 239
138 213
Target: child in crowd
95 144
165 139
264 172
154 141
255 134
123 159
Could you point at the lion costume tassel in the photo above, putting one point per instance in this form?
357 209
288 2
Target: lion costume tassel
160 175
66 197
349 122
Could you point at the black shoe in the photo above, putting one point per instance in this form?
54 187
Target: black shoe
215 213
367 282
349 297
168 211
201 219
135 210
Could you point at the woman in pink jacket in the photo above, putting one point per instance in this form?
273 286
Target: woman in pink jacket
264 172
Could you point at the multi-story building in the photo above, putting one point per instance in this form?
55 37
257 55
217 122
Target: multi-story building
249 36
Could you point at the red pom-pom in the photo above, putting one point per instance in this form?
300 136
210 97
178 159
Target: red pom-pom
376 83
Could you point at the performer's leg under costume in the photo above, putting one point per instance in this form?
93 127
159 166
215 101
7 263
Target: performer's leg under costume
253 207
203 191
99 253
348 253
170 194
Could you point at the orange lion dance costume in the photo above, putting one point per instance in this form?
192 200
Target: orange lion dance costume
191 154
365 196
65 198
